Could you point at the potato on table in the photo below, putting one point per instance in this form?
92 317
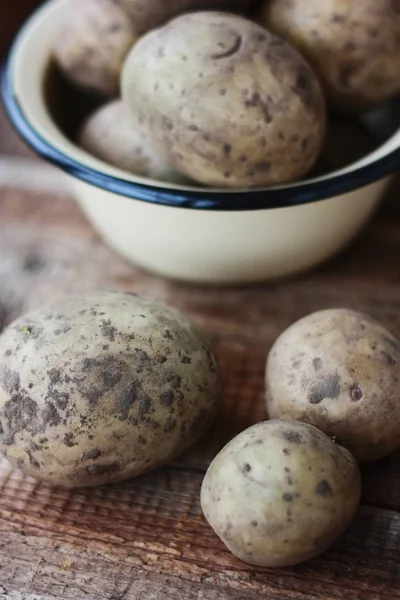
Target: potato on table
102 387
353 46
112 135
339 370
147 14
93 42
280 493
228 103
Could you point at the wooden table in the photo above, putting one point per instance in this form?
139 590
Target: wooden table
146 538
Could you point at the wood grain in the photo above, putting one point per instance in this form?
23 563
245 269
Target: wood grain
146 538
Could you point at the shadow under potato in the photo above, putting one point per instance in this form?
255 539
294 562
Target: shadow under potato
348 139
68 105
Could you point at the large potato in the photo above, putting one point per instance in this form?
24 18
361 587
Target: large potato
280 493
228 103
353 46
112 135
339 370
148 14
103 387
93 42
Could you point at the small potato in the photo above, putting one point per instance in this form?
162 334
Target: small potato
280 493
339 370
102 387
228 103
148 14
354 47
91 47
112 135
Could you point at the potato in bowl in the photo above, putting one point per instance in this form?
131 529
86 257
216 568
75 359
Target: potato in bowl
188 232
262 120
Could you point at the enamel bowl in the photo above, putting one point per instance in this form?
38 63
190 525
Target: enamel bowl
187 233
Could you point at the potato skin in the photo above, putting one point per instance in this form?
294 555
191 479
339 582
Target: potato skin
339 370
229 104
90 49
103 387
354 47
112 135
280 493
148 14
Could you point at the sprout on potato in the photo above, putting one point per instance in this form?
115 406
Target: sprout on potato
228 103
92 44
280 493
339 370
112 135
103 387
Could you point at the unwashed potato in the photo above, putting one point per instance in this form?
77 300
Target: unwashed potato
280 493
339 370
92 44
103 387
353 46
228 103
148 14
112 135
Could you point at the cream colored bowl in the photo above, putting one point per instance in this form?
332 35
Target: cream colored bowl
193 234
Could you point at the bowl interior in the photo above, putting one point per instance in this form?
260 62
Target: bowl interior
55 110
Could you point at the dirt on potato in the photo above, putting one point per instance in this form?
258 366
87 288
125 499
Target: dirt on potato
102 387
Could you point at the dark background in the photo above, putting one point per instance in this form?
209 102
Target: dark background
12 15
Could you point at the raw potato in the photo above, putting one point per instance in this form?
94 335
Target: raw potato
148 14
228 103
280 493
103 387
112 135
91 47
353 46
339 370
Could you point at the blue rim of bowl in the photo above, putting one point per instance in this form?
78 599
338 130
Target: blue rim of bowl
202 199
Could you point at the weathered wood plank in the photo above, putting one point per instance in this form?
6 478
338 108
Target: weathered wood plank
147 539
72 544
365 277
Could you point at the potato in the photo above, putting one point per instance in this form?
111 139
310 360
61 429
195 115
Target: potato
353 46
112 135
90 50
280 493
228 103
339 370
148 14
102 387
